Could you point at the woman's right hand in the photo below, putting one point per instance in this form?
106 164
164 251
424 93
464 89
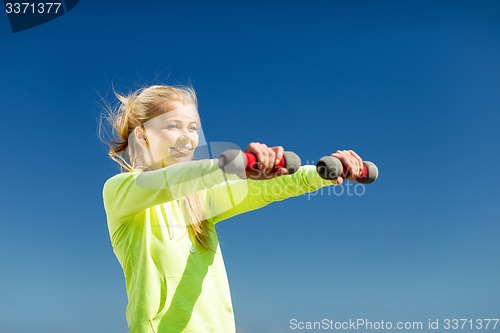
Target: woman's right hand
267 159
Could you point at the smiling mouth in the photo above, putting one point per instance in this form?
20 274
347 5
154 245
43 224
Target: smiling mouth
182 150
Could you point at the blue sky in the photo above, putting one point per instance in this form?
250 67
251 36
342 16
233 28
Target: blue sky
411 85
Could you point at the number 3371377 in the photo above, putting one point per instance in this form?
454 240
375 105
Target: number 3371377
32 7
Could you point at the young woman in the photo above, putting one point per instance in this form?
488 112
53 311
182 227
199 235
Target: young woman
163 208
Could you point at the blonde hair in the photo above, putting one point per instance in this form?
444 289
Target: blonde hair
133 111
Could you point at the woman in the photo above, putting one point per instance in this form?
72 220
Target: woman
163 209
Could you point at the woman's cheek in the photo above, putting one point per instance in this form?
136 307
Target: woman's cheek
169 138
195 138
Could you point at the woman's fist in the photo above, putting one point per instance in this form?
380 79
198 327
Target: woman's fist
267 160
352 162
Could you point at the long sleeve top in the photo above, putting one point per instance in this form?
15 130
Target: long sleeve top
172 283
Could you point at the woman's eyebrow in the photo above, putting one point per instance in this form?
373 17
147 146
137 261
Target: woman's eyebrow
173 120
181 121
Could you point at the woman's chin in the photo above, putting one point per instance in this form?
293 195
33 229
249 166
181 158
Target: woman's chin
183 158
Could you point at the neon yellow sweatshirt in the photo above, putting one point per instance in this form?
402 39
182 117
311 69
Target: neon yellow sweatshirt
173 284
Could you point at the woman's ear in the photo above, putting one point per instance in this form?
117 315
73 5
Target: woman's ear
140 135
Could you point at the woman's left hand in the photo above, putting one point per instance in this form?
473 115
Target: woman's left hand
352 162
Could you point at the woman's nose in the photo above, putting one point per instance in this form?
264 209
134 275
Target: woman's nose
184 137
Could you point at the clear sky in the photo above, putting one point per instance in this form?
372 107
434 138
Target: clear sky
413 86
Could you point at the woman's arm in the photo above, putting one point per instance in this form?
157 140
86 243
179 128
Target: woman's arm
233 198
129 193
236 197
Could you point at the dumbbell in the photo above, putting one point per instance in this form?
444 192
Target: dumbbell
235 161
330 167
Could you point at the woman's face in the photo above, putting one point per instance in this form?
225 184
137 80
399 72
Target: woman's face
173 136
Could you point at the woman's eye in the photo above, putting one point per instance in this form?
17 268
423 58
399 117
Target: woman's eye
178 127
